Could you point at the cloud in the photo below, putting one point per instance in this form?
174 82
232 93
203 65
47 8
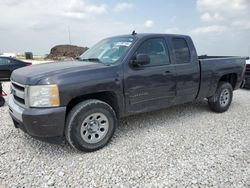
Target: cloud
228 7
214 29
148 23
75 15
243 24
44 11
226 15
207 17
223 10
82 10
120 7
38 25
174 30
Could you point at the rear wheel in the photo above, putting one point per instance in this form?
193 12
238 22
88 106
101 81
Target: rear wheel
2 101
90 125
221 100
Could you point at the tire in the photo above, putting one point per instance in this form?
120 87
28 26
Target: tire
221 100
90 125
2 101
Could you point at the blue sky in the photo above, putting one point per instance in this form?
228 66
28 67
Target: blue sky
218 27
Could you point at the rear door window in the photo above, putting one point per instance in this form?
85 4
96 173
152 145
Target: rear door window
181 50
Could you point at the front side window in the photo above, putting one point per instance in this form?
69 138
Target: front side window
181 50
157 50
108 51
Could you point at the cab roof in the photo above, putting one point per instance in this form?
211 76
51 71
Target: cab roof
142 35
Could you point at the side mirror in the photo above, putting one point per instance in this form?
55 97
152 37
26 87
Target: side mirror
140 60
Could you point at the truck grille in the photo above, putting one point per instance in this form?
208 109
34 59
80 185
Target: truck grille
248 70
18 91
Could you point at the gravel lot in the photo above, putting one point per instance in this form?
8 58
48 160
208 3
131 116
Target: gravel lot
181 146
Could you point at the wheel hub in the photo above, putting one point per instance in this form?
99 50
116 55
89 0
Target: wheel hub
94 128
225 97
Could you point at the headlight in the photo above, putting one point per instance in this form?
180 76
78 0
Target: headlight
43 96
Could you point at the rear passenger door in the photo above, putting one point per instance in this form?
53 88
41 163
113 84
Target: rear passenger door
187 69
151 86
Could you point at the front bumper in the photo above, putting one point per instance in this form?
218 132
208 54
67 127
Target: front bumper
38 122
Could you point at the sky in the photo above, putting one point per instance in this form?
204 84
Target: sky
218 27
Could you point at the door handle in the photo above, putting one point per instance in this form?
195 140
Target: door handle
117 80
166 72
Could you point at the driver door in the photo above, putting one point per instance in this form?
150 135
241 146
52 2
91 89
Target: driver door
151 86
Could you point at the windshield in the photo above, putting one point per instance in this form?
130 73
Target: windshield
108 51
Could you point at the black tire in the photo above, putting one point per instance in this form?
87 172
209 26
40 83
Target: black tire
76 121
2 101
220 102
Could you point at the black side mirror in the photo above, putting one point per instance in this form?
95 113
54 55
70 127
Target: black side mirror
140 60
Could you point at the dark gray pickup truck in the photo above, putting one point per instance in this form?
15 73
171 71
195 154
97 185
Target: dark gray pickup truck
120 76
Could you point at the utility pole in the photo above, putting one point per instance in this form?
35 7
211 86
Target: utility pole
69 35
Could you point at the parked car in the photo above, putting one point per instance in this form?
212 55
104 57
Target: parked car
119 76
247 75
8 65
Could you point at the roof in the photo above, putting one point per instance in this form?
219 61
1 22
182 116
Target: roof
141 35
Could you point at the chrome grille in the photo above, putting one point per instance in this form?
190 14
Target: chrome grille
19 93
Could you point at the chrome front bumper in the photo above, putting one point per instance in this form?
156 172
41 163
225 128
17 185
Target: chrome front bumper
15 110
42 123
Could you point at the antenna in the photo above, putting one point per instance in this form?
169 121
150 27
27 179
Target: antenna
69 35
134 33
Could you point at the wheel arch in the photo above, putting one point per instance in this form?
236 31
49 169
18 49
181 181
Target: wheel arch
230 78
108 97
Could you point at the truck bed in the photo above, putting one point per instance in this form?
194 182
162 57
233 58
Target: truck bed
214 67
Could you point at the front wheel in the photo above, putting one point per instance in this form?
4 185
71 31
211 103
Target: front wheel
90 125
221 100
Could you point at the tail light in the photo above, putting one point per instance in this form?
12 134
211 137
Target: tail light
245 69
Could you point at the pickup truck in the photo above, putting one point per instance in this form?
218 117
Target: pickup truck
120 76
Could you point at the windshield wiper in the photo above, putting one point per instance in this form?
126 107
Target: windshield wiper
92 59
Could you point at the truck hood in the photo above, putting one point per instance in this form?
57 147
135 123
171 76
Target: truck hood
33 74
